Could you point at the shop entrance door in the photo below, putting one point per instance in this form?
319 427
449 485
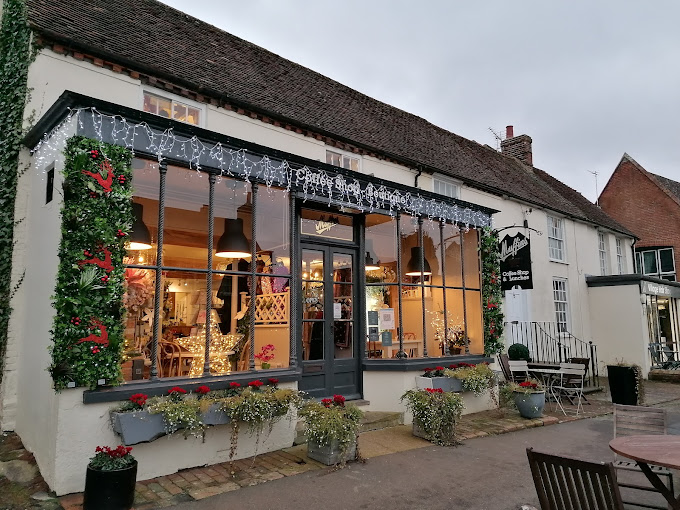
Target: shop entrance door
330 354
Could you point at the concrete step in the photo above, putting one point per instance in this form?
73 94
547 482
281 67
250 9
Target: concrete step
372 420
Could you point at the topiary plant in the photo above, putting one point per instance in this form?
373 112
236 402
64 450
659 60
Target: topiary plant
518 352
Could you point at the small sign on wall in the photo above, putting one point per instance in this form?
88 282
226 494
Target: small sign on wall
386 338
387 318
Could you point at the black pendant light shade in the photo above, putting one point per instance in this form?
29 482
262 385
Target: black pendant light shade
413 266
233 243
370 265
140 238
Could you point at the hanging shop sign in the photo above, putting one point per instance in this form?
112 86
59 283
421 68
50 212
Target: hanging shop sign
515 255
658 289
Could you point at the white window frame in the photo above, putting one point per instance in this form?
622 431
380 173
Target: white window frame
640 260
344 154
560 243
174 98
602 252
442 185
561 306
620 257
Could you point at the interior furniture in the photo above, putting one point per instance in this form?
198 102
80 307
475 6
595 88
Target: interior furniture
635 420
566 483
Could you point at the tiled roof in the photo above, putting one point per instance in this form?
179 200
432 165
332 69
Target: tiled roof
673 187
151 37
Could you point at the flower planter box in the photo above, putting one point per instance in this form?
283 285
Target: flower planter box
110 490
531 405
418 431
623 385
138 426
445 383
331 454
215 416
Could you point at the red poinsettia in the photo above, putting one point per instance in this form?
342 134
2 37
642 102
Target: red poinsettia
434 390
115 453
273 381
255 384
234 385
139 399
202 390
176 390
529 384
339 400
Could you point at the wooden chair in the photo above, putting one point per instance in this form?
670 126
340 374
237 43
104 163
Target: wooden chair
519 370
634 420
565 483
503 360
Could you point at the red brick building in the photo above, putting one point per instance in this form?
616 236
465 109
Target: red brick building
649 206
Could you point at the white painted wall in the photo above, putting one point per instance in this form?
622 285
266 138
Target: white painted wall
621 327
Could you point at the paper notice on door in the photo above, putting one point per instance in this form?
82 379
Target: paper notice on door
387 318
337 310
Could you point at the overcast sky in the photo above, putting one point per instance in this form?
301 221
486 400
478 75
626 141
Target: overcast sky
587 80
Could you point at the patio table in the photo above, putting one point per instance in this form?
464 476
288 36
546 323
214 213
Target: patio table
548 376
660 450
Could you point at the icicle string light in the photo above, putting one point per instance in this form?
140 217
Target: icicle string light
315 184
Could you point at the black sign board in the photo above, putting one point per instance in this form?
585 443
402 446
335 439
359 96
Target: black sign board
515 262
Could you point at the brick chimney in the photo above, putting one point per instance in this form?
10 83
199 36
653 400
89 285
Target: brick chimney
517 146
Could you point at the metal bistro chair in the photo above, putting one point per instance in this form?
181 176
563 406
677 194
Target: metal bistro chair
519 370
565 483
569 385
634 420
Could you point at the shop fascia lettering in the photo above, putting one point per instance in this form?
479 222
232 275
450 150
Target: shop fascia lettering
511 251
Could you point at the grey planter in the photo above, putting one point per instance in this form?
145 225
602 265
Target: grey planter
138 426
531 405
418 431
331 454
445 383
215 416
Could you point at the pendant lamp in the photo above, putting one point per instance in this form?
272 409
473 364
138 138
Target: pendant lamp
140 238
413 266
370 265
233 243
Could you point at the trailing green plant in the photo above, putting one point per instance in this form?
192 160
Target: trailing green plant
331 420
491 292
475 378
436 412
15 57
112 459
180 411
506 396
87 335
518 352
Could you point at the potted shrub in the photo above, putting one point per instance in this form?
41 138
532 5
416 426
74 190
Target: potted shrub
134 423
435 414
529 398
436 378
110 479
265 355
331 428
625 383
518 352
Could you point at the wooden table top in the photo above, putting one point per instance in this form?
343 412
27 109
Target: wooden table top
661 450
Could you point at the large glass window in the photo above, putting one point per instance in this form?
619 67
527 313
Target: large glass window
659 263
438 317
556 249
202 303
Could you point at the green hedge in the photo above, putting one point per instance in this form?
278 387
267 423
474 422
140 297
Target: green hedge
491 293
96 217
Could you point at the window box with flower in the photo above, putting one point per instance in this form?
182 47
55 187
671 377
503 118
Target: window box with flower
435 414
437 379
529 398
134 423
331 428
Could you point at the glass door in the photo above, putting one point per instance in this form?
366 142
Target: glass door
329 351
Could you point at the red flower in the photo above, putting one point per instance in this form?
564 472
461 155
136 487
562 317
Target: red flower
234 385
139 399
120 233
434 390
176 390
339 400
202 390
94 153
255 384
327 402
454 366
528 384
428 370
273 381
116 453
439 368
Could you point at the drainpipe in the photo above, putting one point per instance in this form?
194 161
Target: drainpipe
420 172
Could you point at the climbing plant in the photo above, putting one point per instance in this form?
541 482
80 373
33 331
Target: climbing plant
15 57
491 292
87 336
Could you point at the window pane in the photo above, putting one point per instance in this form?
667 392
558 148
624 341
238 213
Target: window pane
471 255
649 259
432 247
638 262
138 332
232 229
666 260
474 321
141 248
180 111
453 261
381 297
272 326
193 115
326 225
381 248
185 237
413 319
273 235
410 251
150 104
164 107
354 164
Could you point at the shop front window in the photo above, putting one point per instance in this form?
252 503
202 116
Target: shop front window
200 300
436 298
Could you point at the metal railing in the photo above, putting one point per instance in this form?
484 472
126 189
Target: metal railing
547 344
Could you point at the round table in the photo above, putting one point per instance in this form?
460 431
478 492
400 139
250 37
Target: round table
660 450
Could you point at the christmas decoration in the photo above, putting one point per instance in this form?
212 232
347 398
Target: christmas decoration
87 336
491 292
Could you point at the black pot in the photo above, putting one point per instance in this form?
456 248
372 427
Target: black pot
623 385
110 490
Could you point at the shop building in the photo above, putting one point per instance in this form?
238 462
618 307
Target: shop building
272 208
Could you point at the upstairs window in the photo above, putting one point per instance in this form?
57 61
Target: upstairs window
659 263
343 160
602 249
561 301
445 187
620 258
171 109
556 249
